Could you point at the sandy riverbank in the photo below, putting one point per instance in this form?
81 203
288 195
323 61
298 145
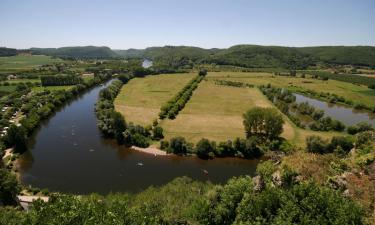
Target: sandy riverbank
150 150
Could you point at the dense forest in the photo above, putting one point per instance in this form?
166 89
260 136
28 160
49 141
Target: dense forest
256 56
76 52
250 56
7 51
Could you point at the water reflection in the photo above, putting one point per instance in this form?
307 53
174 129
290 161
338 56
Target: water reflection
346 115
69 154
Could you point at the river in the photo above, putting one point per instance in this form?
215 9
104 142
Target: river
68 154
346 115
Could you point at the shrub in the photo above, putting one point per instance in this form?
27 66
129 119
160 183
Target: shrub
205 148
178 145
157 133
316 144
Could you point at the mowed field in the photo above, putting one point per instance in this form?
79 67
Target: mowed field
347 90
24 62
140 99
215 112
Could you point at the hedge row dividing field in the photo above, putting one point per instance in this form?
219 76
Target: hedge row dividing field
215 112
140 99
178 102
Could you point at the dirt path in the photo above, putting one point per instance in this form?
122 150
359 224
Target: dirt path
150 150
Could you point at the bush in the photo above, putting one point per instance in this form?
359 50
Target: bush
178 145
157 133
205 149
316 144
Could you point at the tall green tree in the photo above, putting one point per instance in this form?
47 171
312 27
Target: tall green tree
263 122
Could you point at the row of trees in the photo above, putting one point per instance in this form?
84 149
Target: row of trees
263 127
60 80
113 124
285 101
177 103
233 83
334 98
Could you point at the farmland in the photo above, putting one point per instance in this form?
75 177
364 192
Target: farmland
347 90
24 62
215 112
140 100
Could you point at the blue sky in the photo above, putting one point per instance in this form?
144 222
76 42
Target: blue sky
204 23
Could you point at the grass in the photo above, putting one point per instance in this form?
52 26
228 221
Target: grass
15 81
344 89
140 99
24 62
52 88
215 112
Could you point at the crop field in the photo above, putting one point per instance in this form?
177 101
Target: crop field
21 62
344 89
215 112
140 99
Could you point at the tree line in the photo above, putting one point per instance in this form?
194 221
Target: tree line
177 103
60 80
233 83
39 106
263 127
285 101
113 124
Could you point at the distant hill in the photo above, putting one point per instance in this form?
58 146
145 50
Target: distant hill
84 52
251 56
7 51
355 55
255 56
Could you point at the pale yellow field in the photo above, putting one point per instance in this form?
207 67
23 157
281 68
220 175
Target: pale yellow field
215 112
347 90
140 99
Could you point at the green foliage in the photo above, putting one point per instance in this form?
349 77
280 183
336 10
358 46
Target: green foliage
316 144
157 133
9 187
178 145
177 103
86 52
205 149
60 80
263 122
16 137
302 204
7 51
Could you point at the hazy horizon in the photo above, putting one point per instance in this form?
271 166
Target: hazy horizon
205 24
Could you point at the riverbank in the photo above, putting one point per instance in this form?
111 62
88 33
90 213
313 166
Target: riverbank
151 150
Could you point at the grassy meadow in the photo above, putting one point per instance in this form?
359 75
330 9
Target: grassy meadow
140 99
344 89
215 112
24 62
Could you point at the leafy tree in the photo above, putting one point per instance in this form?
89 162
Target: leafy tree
9 187
16 137
205 148
263 122
316 144
157 133
178 145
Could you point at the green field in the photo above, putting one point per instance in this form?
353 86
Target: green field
24 62
344 89
140 100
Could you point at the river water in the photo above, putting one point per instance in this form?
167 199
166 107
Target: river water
346 115
68 154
